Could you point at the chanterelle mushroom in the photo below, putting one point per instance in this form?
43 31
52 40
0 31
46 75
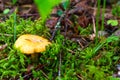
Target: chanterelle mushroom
29 44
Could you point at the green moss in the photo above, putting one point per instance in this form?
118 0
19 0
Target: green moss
93 62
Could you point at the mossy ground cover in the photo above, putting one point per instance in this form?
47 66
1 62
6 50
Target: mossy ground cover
64 59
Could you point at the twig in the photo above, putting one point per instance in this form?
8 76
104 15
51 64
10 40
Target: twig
44 74
60 62
80 44
79 77
70 51
26 76
94 29
27 15
57 26
6 34
59 72
2 60
30 74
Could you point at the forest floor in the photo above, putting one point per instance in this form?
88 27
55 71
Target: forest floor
84 36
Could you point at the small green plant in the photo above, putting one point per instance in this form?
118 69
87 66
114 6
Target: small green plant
6 11
65 4
112 22
14 1
116 10
45 7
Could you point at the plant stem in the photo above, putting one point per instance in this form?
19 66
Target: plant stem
103 12
97 19
15 26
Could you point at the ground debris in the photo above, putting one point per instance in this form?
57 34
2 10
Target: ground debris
2 47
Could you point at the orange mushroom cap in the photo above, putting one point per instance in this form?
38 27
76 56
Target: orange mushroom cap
29 44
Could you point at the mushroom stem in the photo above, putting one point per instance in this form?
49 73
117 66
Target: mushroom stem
34 57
